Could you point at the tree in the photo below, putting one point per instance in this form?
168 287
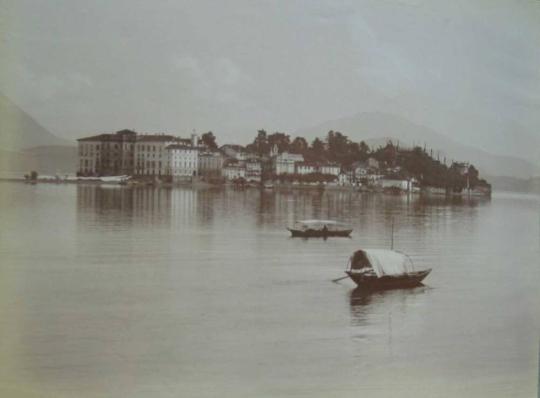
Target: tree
364 149
299 145
317 146
282 141
209 140
260 143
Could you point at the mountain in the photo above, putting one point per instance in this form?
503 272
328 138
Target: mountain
43 159
377 128
530 185
18 130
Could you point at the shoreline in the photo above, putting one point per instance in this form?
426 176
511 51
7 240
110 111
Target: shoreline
275 187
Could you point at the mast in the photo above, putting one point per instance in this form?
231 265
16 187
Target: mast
392 241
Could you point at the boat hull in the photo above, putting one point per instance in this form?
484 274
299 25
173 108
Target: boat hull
297 233
373 282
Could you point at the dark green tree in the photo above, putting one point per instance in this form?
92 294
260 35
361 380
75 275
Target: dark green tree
299 145
209 139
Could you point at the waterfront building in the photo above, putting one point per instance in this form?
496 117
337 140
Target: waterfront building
234 170
182 161
346 178
107 154
210 164
152 156
330 168
253 170
303 168
127 153
284 163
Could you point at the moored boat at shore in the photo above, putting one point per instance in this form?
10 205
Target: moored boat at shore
383 269
319 229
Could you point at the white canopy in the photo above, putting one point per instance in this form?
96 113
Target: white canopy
318 222
388 262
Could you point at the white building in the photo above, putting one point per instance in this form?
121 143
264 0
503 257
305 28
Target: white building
183 161
305 168
346 178
253 170
234 171
152 156
330 168
284 163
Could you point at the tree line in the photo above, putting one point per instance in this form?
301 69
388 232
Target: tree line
336 147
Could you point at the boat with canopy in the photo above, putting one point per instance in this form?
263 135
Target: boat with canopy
383 269
319 229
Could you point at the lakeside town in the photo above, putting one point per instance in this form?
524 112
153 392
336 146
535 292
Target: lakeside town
272 160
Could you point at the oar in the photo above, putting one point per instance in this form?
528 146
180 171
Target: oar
338 279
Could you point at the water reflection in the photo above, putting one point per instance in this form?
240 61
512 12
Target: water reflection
365 305
185 207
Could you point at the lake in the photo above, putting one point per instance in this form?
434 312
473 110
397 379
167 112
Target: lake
153 292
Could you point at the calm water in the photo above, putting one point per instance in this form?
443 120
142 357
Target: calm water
119 292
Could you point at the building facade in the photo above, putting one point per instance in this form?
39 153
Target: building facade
152 156
127 153
234 171
330 168
210 164
305 168
182 161
284 163
107 154
253 170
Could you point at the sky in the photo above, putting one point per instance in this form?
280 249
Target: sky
467 69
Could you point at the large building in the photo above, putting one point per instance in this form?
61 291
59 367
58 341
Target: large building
152 155
145 155
107 154
211 164
183 161
284 163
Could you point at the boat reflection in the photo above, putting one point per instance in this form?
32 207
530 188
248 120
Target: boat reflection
367 306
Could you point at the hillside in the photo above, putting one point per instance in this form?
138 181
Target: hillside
18 130
45 160
376 128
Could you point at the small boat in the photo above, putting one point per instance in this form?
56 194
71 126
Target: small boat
319 229
383 269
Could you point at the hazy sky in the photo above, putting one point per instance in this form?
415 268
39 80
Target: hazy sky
469 69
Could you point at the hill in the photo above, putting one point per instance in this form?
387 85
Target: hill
18 130
376 128
44 159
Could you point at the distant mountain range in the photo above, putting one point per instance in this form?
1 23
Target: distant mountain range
377 128
26 145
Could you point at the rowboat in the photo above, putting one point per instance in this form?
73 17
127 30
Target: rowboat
383 269
319 229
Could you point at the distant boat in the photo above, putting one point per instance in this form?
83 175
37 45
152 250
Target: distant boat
383 269
268 185
319 229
